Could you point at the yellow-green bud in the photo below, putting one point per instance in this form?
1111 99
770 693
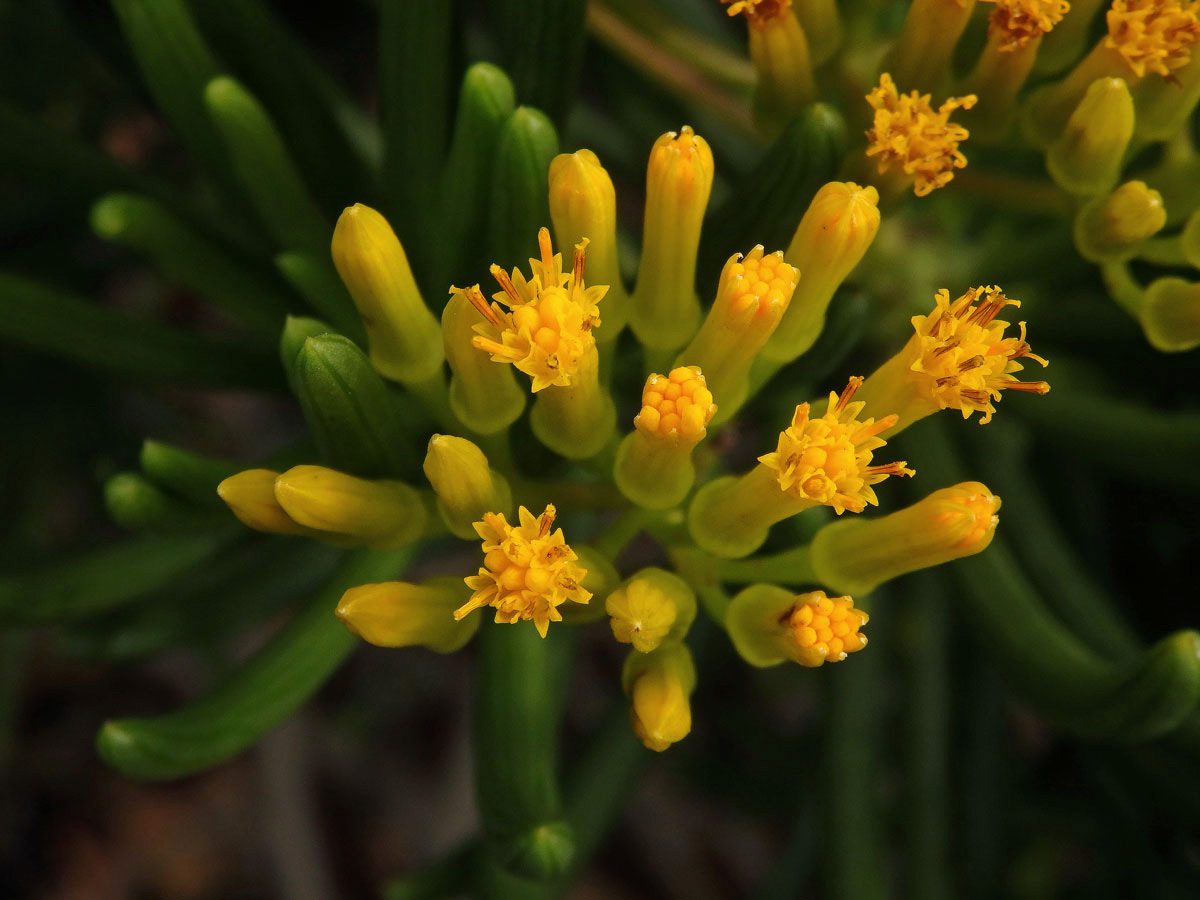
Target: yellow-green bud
1086 158
384 515
583 204
665 310
485 397
854 556
402 334
1189 240
1170 314
659 684
651 608
399 614
465 485
769 625
1109 229
836 230
251 497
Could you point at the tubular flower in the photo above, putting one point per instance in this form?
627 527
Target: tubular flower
676 407
758 13
548 329
1153 35
907 131
529 570
826 460
958 358
1017 22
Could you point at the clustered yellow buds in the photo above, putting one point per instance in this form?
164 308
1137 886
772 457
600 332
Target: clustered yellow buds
857 555
651 608
528 570
1018 22
653 466
659 684
399 614
818 461
548 331
909 133
770 625
332 506
825 460
752 297
958 358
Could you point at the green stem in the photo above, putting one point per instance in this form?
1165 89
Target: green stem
1163 251
1123 287
790 568
696 567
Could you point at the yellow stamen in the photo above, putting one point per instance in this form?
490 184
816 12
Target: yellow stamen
1153 35
528 570
826 460
1017 22
758 12
907 131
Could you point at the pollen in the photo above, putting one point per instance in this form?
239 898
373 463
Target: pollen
827 459
908 132
528 570
962 356
1017 22
1153 35
547 328
759 13
824 629
678 405
760 284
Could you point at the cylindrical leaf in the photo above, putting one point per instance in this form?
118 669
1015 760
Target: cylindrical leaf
520 187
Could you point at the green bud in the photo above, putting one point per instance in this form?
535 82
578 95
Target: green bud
136 503
1086 158
1109 229
520 187
1170 314
297 330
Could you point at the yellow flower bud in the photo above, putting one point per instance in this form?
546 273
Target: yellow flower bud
653 467
402 334
1170 315
251 497
752 298
583 205
857 555
1110 229
384 515
769 625
665 310
823 26
399 614
836 230
921 55
483 396
1086 158
466 486
779 50
651 608
659 684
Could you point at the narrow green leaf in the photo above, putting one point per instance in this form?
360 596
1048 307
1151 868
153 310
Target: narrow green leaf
137 503
192 260
355 418
542 43
101 580
316 280
253 699
520 187
185 473
62 324
265 169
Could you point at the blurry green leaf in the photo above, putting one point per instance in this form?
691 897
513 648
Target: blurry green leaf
315 279
542 43
185 473
60 323
191 259
520 203
254 698
103 579
136 503
355 418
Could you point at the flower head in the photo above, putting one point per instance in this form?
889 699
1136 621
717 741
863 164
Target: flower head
548 328
759 13
529 570
961 356
908 131
1017 22
677 406
824 629
827 459
1153 35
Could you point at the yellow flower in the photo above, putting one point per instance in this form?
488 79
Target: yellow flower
659 683
1017 22
907 131
400 614
676 407
1153 35
758 13
548 329
529 570
651 608
958 358
769 624
826 460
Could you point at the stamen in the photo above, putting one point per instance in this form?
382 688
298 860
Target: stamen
850 390
506 284
475 296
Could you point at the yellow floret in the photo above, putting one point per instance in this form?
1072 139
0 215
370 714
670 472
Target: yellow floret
758 12
907 131
678 405
1020 21
825 629
1153 35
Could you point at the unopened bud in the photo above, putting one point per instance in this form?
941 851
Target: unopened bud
384 515
1110 229
769 625
1170 315
399 614
251 497
659 684
652 608
466 486
1086 158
